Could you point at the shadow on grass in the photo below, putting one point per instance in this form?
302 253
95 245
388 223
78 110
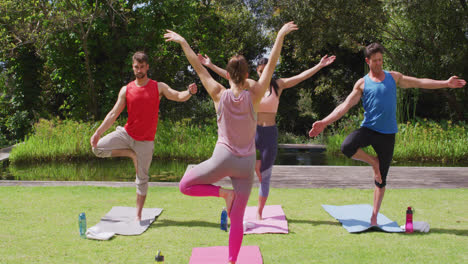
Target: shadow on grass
192 223
189 223
312 222
458 232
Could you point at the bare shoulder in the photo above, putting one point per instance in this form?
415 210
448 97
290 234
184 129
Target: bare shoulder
123 91
396 75
122 98
251 84
162 87
359 85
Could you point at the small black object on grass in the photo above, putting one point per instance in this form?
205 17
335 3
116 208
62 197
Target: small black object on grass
159 257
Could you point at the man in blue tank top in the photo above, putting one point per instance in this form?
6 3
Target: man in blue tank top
378 93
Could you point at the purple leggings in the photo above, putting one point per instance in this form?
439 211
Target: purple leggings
198 182
266 142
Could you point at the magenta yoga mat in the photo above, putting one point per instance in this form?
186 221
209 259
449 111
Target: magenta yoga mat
219 254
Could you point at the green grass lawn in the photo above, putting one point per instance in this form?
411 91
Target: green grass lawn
40 225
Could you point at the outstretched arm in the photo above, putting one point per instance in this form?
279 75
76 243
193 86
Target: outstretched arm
206 61
404 81
352 99
177 96
285 83
265 79
212 86
110 117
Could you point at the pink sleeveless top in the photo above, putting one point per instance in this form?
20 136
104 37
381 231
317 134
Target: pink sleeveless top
269 103
237 123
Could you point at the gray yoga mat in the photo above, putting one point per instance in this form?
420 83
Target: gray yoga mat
355 218
121 220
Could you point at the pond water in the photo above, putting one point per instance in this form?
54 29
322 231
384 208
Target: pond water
118 169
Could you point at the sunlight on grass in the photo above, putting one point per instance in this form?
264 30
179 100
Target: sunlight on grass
40 225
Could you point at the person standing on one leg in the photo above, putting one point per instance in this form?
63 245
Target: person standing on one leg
136 139
378 93
266 138
234 154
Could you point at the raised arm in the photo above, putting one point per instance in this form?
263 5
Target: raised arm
110 117
178 96
285 83
352 99
404 81
206 61
211 85
264 82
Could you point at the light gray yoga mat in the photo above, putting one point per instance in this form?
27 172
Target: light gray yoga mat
121 220
355 218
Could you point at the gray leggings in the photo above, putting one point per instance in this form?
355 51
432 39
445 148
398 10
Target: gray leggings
198 182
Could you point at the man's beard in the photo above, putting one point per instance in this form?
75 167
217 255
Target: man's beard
140 75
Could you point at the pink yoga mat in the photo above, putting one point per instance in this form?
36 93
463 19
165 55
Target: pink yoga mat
274 220
217 255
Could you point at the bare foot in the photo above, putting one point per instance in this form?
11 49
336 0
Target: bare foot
228 196
375 167
373 220
259 216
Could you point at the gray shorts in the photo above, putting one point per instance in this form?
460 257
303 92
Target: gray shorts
119 139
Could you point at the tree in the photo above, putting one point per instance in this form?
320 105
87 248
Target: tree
338 27
423 40
22 30
217 28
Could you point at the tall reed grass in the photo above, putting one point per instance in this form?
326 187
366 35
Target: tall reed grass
61 140
420 140
67 140
184 140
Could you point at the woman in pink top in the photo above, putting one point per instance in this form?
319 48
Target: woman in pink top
234 154
266 139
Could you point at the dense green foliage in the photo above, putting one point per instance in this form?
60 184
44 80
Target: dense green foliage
69 59
423 41
83 52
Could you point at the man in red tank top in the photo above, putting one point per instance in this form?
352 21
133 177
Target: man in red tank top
136 139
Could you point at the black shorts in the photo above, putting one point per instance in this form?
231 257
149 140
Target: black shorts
383 145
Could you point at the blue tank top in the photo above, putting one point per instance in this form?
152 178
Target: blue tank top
379 102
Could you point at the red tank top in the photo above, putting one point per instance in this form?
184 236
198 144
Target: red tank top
142 108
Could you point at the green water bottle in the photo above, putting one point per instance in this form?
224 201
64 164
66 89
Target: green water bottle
82 224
